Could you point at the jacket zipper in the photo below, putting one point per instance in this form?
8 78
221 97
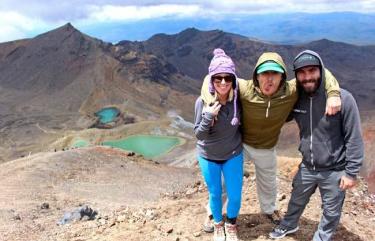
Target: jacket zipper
311 136
268 107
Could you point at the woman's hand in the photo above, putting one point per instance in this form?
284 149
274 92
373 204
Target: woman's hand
213 109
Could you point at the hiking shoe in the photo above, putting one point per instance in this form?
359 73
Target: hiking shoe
275 217
280 232
219 234
231 232
208 225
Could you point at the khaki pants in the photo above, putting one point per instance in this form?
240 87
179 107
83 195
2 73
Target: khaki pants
265 170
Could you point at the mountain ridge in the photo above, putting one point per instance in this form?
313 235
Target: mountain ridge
282 28
59 79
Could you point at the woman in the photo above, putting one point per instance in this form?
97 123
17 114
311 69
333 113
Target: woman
219 144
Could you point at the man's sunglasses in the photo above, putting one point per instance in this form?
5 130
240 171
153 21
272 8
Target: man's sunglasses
218 78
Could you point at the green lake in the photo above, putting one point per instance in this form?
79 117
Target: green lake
80 143
147 145
108 114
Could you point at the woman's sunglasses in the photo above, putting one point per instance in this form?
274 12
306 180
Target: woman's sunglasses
216 79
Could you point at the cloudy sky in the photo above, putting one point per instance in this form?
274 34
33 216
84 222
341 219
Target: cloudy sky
27 18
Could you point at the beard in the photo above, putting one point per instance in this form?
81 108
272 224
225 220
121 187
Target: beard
309 85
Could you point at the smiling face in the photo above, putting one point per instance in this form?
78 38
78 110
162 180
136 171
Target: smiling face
223 83
269 82
309 78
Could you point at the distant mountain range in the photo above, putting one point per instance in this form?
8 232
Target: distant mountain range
64 67
191 50
289 28
59 77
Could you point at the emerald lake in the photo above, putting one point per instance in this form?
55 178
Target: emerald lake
147 145
107 115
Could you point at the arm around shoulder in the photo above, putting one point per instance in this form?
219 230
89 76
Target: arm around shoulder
332 86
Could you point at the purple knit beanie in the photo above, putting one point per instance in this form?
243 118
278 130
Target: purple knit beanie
222 63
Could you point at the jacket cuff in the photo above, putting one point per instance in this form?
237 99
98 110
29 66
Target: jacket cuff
352 176
209 116
334 93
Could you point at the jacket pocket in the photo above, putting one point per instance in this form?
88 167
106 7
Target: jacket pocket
335 148
327 153
322 155
304 149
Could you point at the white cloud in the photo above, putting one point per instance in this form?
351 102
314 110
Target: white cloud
24 18
288 6
321 6
16 26
9 33
109 13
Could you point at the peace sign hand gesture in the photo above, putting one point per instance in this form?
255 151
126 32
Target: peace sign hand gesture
213 109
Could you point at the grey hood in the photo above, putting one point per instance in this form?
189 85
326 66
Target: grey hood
322 72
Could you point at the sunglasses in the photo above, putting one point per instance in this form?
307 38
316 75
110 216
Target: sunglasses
217 79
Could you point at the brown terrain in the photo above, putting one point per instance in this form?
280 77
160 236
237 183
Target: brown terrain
50 88
142 200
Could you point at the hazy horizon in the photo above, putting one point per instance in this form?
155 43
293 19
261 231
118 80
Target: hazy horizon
116 20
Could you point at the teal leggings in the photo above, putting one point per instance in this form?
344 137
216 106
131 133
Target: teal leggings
232 171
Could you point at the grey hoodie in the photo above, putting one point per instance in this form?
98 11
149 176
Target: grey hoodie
220 141
329 142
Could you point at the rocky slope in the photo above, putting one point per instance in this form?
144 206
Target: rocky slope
139 200
56 81
106 179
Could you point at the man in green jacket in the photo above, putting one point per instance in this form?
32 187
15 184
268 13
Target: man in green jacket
266 102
